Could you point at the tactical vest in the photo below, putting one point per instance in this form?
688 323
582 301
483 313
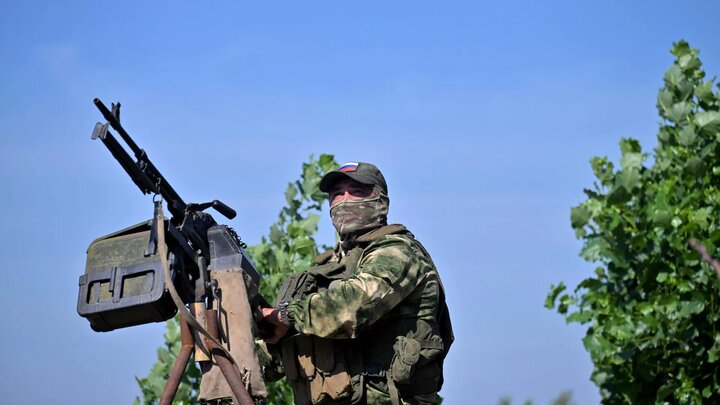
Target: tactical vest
405 348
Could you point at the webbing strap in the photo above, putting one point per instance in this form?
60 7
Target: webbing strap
393 391
323 258
430 344
380 232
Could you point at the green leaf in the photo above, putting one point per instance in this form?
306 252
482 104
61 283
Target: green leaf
679 112
632 160
619 195
705 93
579 317
566 301
603 169
700 217
595 249
665 100
694 166
628 178
290 193
305 246
579 216
276 235
663 392
661 217
681 48
708 121
555 291
674 76
691 307
629 145
311 180
714 352
688 62
665 134
327 163
687 136
309 224
645 308
598 345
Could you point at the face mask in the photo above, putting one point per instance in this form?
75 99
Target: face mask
355 216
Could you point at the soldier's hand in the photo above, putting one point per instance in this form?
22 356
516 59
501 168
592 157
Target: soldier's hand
272 315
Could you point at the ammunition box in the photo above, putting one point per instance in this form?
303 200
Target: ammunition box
124 284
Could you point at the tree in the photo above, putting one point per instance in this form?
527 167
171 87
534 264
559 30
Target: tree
652 305
289 247
564 398
291 244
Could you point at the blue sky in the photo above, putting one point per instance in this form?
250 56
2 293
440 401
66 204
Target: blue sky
482 115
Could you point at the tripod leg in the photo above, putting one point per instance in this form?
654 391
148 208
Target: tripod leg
229 371
180 363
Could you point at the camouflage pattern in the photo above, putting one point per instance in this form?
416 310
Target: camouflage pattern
390 270
392 290
355 216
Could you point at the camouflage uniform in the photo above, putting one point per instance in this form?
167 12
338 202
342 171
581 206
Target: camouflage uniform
371 318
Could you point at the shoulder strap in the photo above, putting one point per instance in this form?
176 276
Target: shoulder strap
382 231
324 257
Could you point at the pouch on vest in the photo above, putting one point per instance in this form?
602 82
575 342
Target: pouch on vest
292 371
414 360
316 369
407 354
304 347
330 380
331 369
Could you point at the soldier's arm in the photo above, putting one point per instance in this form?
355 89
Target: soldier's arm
387 274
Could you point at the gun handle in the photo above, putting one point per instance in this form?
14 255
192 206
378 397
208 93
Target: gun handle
228 212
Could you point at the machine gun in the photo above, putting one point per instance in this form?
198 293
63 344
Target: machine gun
149 271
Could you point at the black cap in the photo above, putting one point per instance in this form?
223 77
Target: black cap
365 173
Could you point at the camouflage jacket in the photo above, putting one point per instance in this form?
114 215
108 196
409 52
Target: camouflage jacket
388 287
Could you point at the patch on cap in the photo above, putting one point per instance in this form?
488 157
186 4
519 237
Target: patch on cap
348 167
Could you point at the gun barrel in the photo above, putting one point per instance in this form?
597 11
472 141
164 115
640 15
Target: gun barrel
144 173
131 168
116 126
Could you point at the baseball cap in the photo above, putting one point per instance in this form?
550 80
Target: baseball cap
365 173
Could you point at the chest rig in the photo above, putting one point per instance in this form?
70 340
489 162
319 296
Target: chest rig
332 371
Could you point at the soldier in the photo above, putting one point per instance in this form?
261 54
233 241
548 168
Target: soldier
369 323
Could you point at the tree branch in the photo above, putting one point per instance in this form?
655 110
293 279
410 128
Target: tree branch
700 248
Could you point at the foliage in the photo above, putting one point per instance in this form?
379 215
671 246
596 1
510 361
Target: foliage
651 304
289 247
565 398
